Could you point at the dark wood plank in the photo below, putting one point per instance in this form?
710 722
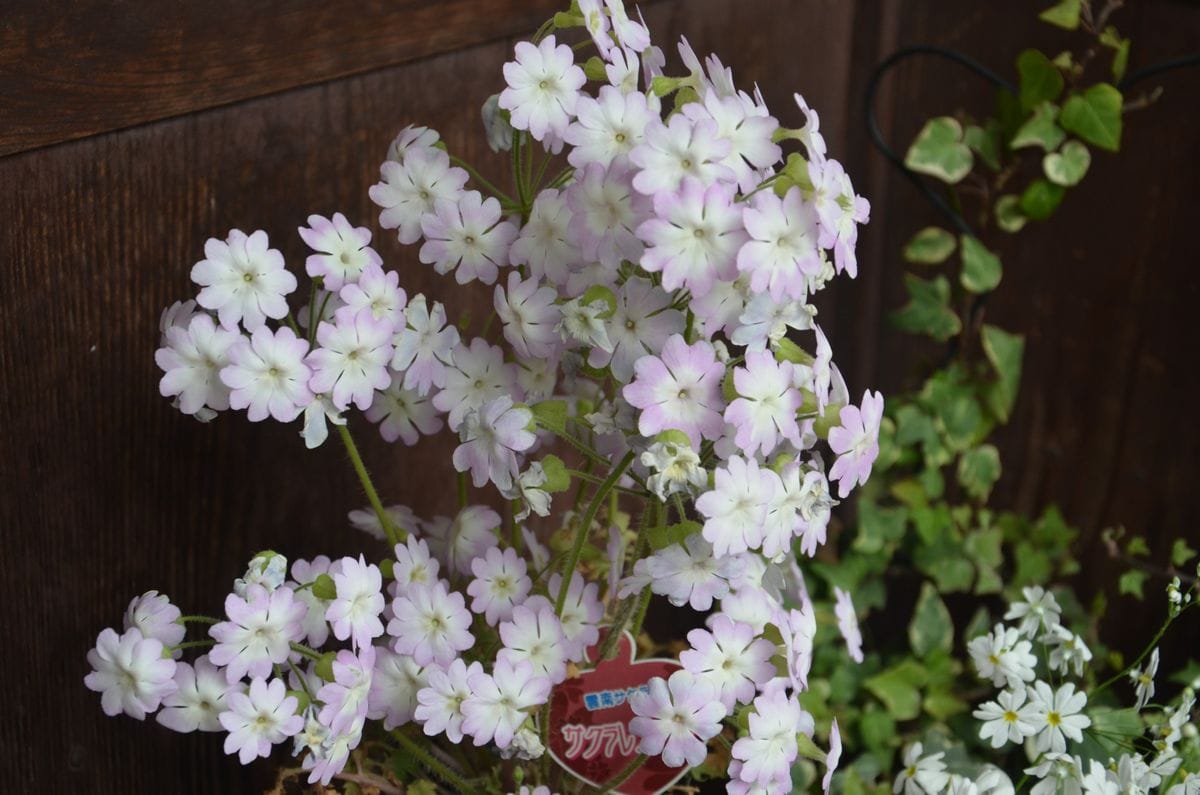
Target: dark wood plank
72 68
110 492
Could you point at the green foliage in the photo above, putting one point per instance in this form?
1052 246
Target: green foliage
1040 79
1064 14
981 269
1068 165
928 310
1095 116
939 151
931 246
931 626
1040 129
662 537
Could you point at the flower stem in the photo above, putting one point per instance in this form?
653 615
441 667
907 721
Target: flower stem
643 605
475 175
197 620
431 763
585 528
192 644
311 654
393 535
1121 674
624 775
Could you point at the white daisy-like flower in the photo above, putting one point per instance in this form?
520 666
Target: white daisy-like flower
543 87
243 280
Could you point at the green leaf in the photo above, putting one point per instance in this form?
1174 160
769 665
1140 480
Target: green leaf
930 246
877 729
978 471
551 415
1041 129
898 688
981 268
557 479
1131 583
1064 14
1067 166
1008 213
943 705
1114 729
1004 351
928 310
1181 553
1120 60
808 749
985 142
1040 79
324 666
939 151
324 587
1095 116
985 546
663 537
1041 199
931 627
1033 566
877 526
1137 546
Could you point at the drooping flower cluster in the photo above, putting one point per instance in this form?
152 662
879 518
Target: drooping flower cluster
653 325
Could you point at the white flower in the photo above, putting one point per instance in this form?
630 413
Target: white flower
377 292
1058 773
1007 719
491 437
498 702
676 718
689 574
581 614
847 623
351 361
395 683
439 703
430 623
1004 657
543 87
479 375
468 537
130 673
731 658
921 774
411 189
258 632
191 360
1067 650
468 237
155 617
366 520
413 564
1058 715
765 321
1039 611
676 469
354 612
1143 680
735 510
584 323
782 251
680 148
258 719
641 324
198 700
267 569
499 130
425 346
1101 781
316 629
317 414
764 412
605 214
403 413
500 584
267 375
535 635
608 126
544 244
342 250
243 280
529 315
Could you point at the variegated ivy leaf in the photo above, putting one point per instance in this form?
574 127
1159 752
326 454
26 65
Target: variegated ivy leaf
930 246
1095 116
939 151
1040 130
1067 166
1008 213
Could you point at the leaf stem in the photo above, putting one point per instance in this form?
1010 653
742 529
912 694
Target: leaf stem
390 530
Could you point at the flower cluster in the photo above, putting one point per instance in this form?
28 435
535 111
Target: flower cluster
1038 666
652 324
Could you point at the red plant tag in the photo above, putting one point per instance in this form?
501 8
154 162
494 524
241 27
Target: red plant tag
589 722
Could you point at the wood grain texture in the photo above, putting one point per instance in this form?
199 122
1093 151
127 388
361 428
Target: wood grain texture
80 67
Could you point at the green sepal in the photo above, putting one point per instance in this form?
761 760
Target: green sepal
551 415
324 666
557 478
324 587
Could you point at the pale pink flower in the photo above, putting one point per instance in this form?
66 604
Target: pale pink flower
544 244
191 361
491 438
377 292
680 148
500 584
425 346
346 698
403 413
267 375
782 252
342 250
243 280
694 238
457 543
840 211
439 703
479 374
735 510
764 412
499 701
351 361
609 126
258 632
198 700
529 315
605 214
676 718
630 35
395 682
810 135
730 658
768 751
256 720
856 443
130 673
354 612
690 573
467 237
833 757
680 390
534 634
155 617
430 623
747 127
641 325
316 629
410 190
543 87
847 622
413 563
581 614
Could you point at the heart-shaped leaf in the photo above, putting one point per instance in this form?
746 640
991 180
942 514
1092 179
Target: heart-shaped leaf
1008 213
1041 199
1004 351
939 151
1067 166
1064 14
931 627
1040 79
1095 116
928 310
1040 130
985 142
978 470
930 246
981 268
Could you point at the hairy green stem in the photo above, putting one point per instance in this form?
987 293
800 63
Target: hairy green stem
585 527
390 530
197 620
431 763
475 175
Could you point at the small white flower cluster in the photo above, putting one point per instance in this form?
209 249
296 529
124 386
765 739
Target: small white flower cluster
1047 719
649 299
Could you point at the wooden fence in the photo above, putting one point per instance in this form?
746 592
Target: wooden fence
132 131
